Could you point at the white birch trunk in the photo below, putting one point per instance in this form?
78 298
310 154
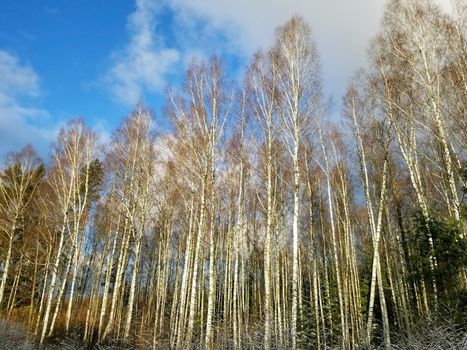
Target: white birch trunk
7 265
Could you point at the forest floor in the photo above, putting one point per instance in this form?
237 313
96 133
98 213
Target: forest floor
426 336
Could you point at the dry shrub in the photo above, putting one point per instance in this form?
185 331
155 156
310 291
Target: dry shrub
434 335
14 337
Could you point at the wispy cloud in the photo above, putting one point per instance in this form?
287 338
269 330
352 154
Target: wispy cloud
342 29
16 79
20 124
144 62
237 28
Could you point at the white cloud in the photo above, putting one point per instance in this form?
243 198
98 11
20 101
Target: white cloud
16 79
19 124
342 29
144 62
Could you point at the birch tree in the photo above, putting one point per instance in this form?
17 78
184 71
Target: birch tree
298 82
73 152
199 116
132 163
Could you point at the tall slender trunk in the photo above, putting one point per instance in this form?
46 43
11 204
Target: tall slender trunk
134 280
118 279
7 265
12 299
194 278
53 280
376 275
34 285
74 274
108 275
344 329
185 280
295 253
61 292
75 265
267 248
212 281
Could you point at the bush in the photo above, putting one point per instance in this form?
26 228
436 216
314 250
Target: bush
433 335
14 337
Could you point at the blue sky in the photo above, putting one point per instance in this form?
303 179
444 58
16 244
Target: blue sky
95 59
